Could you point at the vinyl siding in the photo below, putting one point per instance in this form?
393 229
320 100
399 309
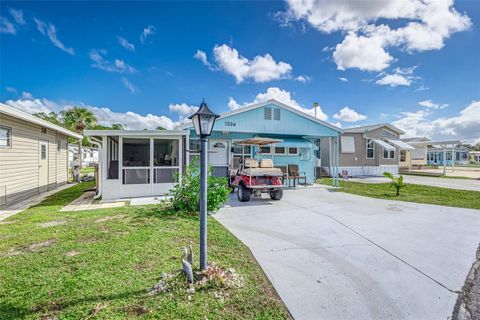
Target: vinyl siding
19 163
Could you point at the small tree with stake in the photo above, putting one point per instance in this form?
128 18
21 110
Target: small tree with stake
396 183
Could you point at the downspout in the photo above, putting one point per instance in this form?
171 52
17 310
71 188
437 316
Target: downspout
98 143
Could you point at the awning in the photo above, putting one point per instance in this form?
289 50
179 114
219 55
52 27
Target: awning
296 143
401 145
384 145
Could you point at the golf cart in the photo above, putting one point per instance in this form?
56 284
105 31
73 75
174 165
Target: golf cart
256 176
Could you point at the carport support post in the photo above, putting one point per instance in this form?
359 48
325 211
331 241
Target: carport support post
454 156
203 203
444 159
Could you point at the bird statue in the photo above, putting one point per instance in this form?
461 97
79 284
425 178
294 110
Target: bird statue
187 266
190 253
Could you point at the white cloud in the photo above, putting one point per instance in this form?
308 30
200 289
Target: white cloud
124 43
464 126
422 25
202 56
349 115
182 109
17 16
50 31
260 68
303 79
133 89
105 116
11 90
26 95
431 105
282 96
364 53
97 56
393 80
343 79
147 32
6 26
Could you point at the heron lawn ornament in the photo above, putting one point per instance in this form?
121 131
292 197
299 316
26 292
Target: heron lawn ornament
187 266
190 253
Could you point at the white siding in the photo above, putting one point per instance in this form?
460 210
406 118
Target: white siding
19 163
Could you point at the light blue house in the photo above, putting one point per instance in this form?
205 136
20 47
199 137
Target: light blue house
435 156
300 132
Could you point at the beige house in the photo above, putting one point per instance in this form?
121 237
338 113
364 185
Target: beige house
33 155
370 150
414 158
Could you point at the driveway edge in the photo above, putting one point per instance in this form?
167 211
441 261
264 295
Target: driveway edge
469 297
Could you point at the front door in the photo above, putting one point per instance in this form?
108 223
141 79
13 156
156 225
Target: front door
42 166
218 154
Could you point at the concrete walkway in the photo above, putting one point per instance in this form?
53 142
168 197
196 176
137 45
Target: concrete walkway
86 202
25 204
461 184
332 255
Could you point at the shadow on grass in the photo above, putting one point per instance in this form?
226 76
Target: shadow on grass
12 311
164 214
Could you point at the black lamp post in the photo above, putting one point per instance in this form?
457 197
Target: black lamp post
203 121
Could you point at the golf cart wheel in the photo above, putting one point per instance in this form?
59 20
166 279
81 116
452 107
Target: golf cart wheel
243 193
276 194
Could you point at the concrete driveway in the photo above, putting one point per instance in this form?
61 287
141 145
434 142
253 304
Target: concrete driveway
333 255
461 184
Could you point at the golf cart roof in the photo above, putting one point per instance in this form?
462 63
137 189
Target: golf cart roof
258 141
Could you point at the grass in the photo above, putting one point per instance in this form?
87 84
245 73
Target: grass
99 265
412 193
437 176
85 170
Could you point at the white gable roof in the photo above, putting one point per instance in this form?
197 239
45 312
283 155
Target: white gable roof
265 103
30 118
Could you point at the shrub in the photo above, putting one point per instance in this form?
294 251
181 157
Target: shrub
396 183
186 194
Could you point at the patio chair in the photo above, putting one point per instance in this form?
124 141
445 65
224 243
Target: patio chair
296 175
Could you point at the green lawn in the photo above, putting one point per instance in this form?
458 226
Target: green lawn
87 170
100 265
412 193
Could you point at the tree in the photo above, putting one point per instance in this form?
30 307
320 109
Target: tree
50 117
396 183
160 128
78 119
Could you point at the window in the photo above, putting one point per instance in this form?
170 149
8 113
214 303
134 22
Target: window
370 149
276 114
43 150
267 113
44 130
292 150
403 155
388 154
280 150
347 144
219 145
136 152
5 137
112 157
165 152
388 134
59 145
236 149
264 150
194 149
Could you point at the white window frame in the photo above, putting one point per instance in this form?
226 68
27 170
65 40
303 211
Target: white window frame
389 152
9 137
269 152
292 154
373 148
277 153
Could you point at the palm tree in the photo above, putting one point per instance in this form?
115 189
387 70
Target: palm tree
396 183
78 119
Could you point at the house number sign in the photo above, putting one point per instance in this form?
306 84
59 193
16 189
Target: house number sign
230 124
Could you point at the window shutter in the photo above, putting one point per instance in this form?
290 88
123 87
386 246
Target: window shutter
267 113
276 114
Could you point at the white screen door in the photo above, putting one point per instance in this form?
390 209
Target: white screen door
218 153
42 166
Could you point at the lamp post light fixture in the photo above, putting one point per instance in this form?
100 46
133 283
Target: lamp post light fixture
203 122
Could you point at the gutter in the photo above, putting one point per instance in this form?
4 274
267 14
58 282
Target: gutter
98 143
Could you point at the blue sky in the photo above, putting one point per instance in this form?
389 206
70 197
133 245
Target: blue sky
416 65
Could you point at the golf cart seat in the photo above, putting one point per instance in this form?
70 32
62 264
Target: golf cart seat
266 168
266 163
251 163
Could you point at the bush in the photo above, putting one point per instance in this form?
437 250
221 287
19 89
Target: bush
186 194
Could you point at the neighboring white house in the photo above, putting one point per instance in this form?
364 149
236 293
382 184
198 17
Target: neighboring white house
474 156
136 163
33 155
89 155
